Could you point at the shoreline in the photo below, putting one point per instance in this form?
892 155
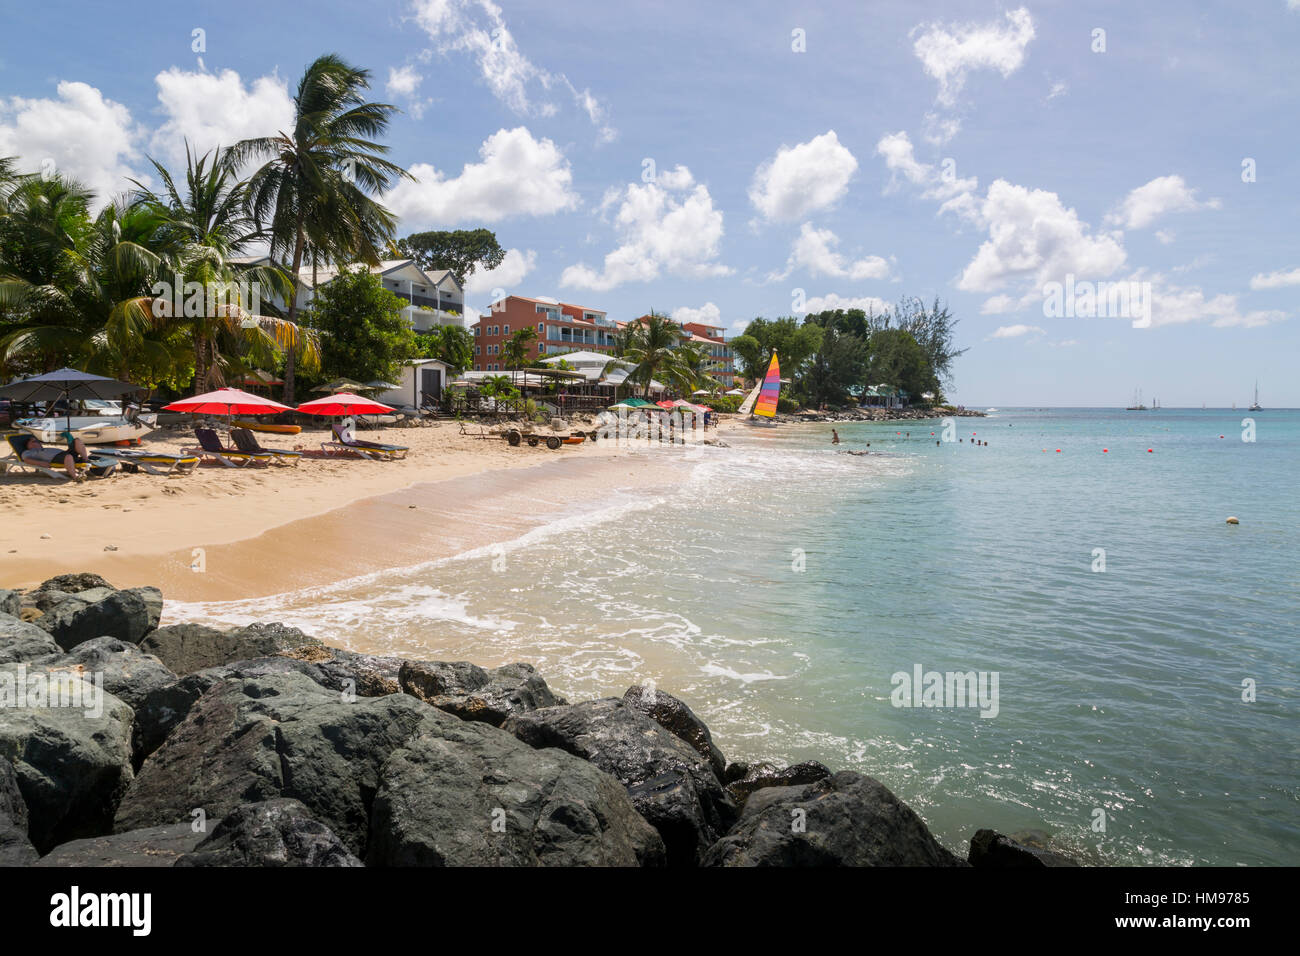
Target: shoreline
263 531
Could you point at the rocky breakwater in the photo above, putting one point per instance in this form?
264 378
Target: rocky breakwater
123 743
879 414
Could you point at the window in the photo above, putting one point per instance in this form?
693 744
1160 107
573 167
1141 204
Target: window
476 330
541 328
478 350
541 349
507 330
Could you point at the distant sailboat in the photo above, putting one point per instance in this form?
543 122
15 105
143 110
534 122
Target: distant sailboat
1255 406
1137 405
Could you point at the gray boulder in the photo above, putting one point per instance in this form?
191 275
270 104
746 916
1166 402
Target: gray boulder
670 783
129 673
11 603
991 849
846 819
163 708
21 641
123 615
282 735
472 693
365 675
151 846
271 833
678 719
764 774
467 794
187 648
44 601
73 763
15 848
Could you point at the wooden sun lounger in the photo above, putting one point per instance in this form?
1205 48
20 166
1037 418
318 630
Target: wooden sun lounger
366 449
94 468
247 442
210 447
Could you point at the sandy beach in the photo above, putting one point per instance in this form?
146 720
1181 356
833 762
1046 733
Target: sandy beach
261 530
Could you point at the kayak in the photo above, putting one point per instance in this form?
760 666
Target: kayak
267 427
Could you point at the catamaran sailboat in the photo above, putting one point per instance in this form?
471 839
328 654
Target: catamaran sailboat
759 405
95 422
1137 405
1255 406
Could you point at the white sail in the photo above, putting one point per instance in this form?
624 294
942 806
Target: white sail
748 404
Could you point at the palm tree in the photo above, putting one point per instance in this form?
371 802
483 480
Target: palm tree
453 344
316 178
514 353
654 349
204 227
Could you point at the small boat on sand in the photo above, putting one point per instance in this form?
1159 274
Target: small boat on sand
95 422
270 427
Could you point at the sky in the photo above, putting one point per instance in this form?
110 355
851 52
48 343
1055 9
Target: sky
723 162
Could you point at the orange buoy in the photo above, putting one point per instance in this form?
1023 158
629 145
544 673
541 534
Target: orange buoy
1105 450
1058 451
1149 450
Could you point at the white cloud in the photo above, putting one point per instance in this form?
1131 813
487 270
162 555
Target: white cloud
508 275
518 176
949 52
1016 331
1176 305
707 314
803 178
666 227
1279 279
85 136
831 301
939 183
403 80
1157 198
1165 236
814 250
1034 238
1058 89
998 305
216 109
478 28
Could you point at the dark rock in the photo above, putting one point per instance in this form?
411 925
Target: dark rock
45 601
670 783
93 595
153 602
271 833
763 774
187 648
129 673
163 708
20 641
735 771
11 603
281 735
15 848
989 848
365 675
151 846
677 718
72 583
123 615
472 693
467 794
843 820
73 764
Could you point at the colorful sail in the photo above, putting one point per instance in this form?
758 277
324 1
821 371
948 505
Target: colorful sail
771 390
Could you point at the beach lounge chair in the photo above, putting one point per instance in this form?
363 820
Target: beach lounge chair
210 447
247 442
96 467
366 449
153 462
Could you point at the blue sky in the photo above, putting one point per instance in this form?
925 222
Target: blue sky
692 160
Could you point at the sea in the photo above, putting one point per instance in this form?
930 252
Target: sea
1136 653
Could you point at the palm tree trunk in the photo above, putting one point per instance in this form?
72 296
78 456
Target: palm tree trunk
289 360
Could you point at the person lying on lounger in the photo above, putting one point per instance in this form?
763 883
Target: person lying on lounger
38 454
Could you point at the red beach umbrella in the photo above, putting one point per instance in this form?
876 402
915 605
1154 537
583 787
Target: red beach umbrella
344 403
227 401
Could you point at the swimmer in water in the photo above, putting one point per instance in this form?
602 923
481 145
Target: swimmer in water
835 437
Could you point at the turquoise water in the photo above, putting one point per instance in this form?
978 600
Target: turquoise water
782 583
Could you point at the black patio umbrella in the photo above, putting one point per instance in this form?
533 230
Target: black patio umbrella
66 383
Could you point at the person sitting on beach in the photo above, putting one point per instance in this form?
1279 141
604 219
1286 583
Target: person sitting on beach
835 437
37 453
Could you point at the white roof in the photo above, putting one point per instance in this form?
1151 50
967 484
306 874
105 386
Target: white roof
580 358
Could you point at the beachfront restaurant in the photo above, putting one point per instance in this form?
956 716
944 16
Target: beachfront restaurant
884 396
